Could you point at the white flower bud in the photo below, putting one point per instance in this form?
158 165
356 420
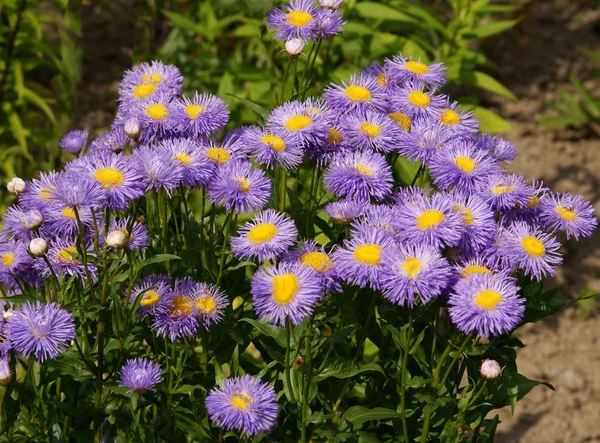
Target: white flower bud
38 247
32 219
331 4
490 370
117 239
8 314
16 186
132 128
294 47
5 371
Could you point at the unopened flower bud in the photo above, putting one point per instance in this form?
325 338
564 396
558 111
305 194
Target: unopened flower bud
8 314
331 4
294 47
116 239
32 219
16 186
132 128
490 370
38 247
5 371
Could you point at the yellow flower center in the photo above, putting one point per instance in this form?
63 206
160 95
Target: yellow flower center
429 219
382 79
143 90
150 298
276 143
313 110
502 189
299 18
533 202
181 305
319 261
8 259
488 299
412 266
363 169
370 130
416 67
206 304
285 288
533 246
419 99
297 122
217 155
566 213
334 137
109 177
358 93
465 163
450 118
69 213
46 192
66 255
152 78
368 254
465 212
241 401
261 233
157 111
193 111
403 120
474 269
244 183
184 159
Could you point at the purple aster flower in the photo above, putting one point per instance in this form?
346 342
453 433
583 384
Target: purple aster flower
402 120
175 316
137 232
14 258
78 192
430 222
37 194
298 20
329 23
476 265
114 140
155 117
411 270
196 169
502 150
231 148
239 187
505 191
486 304
116 174
73 141
372 130
273 148
294 121
345 211
362 93
22 223
530 212
406 70
424 141
286 290
415 101
456 121
61 220
360 260
379 218
199 116
267 236
210 302
530 249
359 175
63 256
335 143
461 166
140 375
44 330
568 213
380 74
156 171
245 403
410 195
316 258
153 289
477 221
149 79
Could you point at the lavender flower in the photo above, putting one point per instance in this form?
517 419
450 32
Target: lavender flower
568 213
363 92
406 70
140 375
73 141
298 20
199 116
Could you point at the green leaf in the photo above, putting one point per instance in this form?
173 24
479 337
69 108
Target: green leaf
264 328
17 129
484 81
260 112
182 22
38 101
190 427
358 415
490 122
219 374
381 12
491 29
562 120
226 88
235 361
592 105
341 368
489 431
159 258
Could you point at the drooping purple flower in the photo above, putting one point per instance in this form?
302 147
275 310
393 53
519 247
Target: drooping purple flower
77 192
315 257
477 222
65 260
371 130
219 153
424 141
42 329
380 218
329 23
298 20
568 213
380 74
73 141
406 70
114 140
345 211
186 153
140 375
156 171
499 148
199 116
273 148
363 92
245 404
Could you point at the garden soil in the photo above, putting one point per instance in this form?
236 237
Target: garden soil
534 62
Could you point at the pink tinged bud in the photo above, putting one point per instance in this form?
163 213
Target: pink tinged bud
38 247
116 239
331 4
490 370
6 372
32 219
294 47
132 128
15 186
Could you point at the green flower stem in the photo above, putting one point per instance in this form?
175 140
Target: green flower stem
454 360
227 230
420 171
283 190
288 364
55 280
283 80
307 377
403 378
82 250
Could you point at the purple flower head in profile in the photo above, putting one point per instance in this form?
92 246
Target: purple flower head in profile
477 222
286 290
156 171
423 142
231 148
371 130
73 141
314 257
410 195
345 211
502 150
568 213
273 148
380 74
360 175
380 218
363 92
298 20
458 122
42 329
294 121
199 116
140 375
175 316
245 404
505 192
196 169
210 303
78 192
409 271
14 258
149 79
329 23
477 265
239 187
414 100
406 70
114 140
265 237
38 193
152 290
488 305
65 260
21 223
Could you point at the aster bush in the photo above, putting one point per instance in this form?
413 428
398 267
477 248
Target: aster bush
349 268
